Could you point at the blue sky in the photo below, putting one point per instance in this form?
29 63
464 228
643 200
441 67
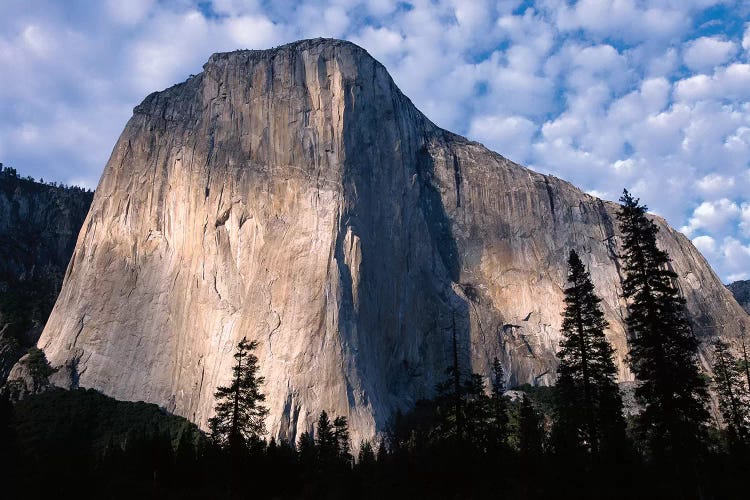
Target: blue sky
650 95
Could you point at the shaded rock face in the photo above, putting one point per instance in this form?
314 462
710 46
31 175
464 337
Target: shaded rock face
741 292
39 224
296 197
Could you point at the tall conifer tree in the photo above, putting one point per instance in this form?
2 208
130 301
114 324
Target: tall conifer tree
476 412
451 393
343 442
498 407
730 384
589 405
530 432
663 349
326 444
240 413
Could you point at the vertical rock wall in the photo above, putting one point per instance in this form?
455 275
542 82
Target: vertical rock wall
294 196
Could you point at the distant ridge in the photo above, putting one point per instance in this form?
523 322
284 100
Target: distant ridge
39 224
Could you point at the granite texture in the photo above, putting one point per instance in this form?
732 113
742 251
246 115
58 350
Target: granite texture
295 196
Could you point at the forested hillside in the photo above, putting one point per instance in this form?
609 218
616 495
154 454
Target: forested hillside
39 224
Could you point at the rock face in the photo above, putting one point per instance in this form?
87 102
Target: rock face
741 292
296 197
39 224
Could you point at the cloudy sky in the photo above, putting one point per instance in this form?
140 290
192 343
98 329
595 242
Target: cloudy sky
653 95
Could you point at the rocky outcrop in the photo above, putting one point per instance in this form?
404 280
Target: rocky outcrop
741 291
296 197
30 375
39 224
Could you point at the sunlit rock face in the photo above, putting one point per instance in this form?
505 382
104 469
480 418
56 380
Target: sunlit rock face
296 197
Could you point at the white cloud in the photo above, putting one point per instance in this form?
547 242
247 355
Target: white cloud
729 82
745 219
605 93
715 184
336 21
128 12
381 7
705 53
252 31
736 258
706 244
235 7
625 19
382 43
509 134
159 58
37 40
713 216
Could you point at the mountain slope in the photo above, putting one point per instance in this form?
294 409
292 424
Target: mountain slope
38 228
741 292
296 197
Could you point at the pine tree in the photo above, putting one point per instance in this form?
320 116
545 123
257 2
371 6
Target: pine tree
326 442
382 454
498 407
530 434
589 406
476 412
734 400
9 449
450 394
341 435
745 362
185 458
663 349
307 452
366 457
240 413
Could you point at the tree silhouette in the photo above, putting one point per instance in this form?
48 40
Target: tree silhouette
733 395
589 406
343 443
326 442
451 397
240 413
530 433
366 457
476 406
663 349
498 407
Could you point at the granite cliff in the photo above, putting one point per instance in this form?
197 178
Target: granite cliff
295 196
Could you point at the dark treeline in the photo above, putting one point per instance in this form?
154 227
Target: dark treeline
12 173
474 439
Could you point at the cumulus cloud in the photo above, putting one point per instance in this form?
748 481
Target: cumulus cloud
509 134
727 82
745 219
653 96
736 259
706 244
713 216
129 12
706 53
623 19
715 184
